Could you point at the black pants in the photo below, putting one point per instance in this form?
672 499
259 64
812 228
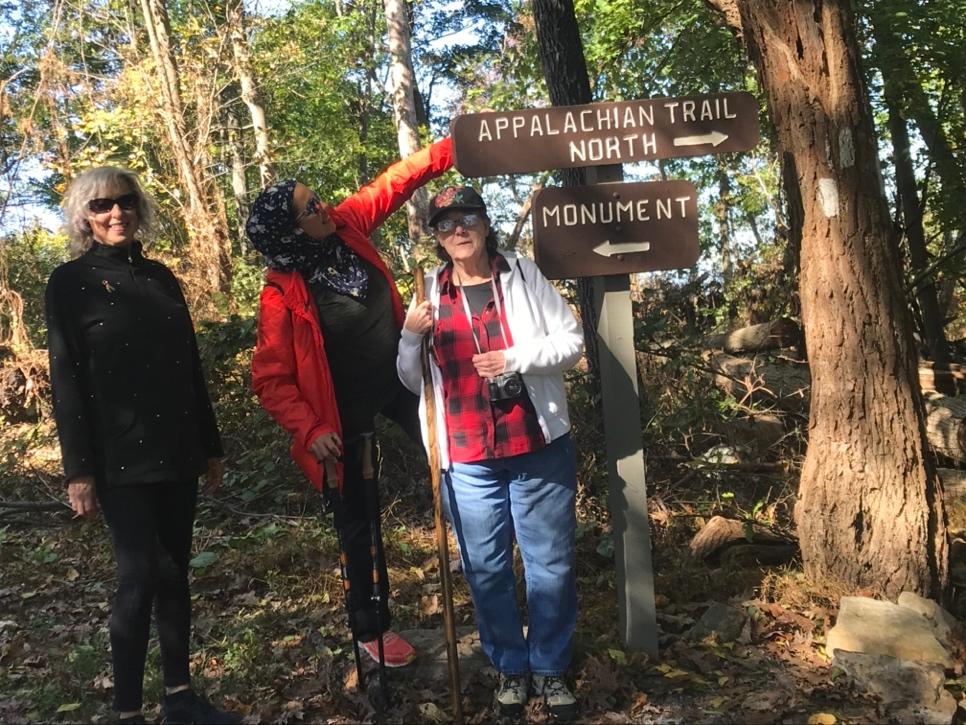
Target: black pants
151 527
358 509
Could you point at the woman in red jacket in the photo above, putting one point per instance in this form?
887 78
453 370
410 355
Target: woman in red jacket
325 361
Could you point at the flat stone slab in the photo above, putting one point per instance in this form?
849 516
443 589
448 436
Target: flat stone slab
874 627
430 665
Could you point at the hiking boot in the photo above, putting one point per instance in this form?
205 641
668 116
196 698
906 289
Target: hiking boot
512 694
186 707
397 651
558 698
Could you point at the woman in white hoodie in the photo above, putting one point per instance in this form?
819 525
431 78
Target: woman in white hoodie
501 339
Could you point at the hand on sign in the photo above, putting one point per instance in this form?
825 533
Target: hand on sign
490 364
420 318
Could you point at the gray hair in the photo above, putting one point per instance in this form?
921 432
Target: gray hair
92 184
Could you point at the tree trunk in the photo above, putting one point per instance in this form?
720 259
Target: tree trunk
404 108
208 240
905 89
565 71
932 324
239 179
870 511
235 18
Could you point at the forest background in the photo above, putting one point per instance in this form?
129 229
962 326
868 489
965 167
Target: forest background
209 101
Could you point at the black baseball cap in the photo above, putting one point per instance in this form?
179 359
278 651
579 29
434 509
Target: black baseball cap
455 197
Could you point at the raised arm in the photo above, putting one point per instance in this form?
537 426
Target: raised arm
372 204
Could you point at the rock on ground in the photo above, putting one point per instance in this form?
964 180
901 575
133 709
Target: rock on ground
874 627
943 622
721 620
912 692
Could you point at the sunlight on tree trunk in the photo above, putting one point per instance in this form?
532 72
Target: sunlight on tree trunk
204 217
404 110
870 511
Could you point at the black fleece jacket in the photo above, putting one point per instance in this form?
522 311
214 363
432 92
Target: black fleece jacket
130 399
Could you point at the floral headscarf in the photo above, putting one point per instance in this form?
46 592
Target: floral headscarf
287 248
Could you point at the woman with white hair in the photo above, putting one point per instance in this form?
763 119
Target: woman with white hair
136 427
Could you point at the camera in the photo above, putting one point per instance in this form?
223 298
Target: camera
505 386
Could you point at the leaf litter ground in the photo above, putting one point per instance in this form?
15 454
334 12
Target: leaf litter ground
270 638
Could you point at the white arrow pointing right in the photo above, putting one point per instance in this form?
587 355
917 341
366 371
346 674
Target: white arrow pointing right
714 138
607 249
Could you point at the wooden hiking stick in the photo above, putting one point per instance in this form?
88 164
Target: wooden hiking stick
442 543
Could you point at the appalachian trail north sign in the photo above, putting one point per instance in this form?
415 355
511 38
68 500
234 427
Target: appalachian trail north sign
597 134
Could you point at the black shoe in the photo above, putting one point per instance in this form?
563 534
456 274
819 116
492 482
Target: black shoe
186 707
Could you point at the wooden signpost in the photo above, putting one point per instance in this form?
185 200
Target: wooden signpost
609 230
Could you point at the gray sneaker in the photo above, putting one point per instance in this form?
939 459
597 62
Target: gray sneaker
512 694
558 698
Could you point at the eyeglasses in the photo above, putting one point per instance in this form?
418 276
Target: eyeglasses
313 207
467 221
105 204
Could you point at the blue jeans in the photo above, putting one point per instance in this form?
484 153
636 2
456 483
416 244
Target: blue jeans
533 496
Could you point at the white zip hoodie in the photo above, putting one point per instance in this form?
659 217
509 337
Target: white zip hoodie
546 341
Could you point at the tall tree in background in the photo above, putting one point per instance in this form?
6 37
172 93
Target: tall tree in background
245 73
210 247
870 510
403 87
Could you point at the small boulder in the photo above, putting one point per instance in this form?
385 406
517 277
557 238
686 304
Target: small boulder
721 620
912 692
874 627
942 620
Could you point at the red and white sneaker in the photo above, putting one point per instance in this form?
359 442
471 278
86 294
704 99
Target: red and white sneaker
397 651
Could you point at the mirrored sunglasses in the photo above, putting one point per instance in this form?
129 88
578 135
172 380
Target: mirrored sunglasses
467 221
313 207
104 204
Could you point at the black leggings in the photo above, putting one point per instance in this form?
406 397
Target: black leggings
359 505
151 527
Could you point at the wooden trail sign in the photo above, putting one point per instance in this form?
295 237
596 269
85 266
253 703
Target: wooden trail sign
588 231
598 134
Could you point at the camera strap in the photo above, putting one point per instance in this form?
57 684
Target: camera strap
469 315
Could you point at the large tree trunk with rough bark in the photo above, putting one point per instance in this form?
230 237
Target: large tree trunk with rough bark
565 71
404 107
245 72
870 511
204 217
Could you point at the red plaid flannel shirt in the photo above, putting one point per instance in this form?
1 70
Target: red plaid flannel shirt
477 429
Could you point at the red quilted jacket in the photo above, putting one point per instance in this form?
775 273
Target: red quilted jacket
290 373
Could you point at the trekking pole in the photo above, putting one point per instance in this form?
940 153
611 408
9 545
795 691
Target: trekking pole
371 491
442 544
335 497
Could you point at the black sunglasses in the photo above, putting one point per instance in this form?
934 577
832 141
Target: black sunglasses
468 221
313 207
103 204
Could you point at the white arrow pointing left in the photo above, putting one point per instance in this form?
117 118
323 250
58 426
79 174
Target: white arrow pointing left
714 138
607 249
